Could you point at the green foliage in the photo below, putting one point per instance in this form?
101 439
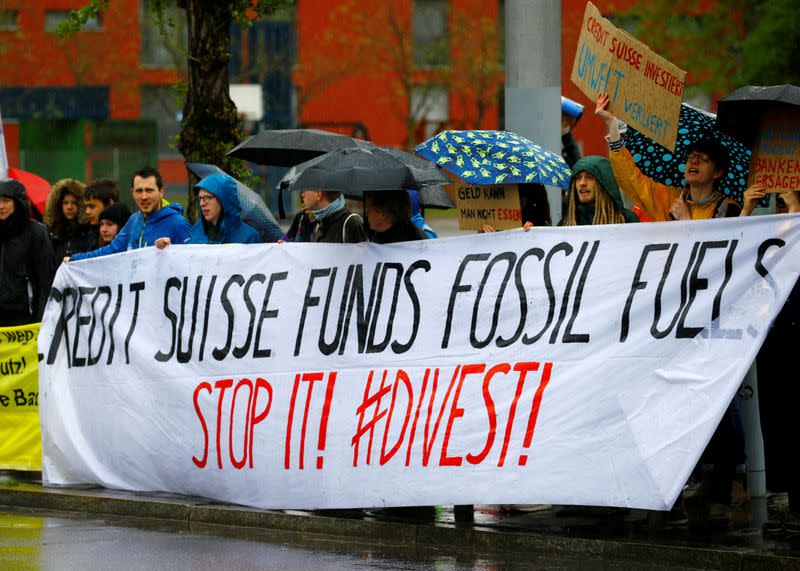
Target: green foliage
723 45
770 55
76 19
210 126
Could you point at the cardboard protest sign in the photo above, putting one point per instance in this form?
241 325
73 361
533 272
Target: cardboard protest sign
473 369
776 156
20 438
496 205
644 89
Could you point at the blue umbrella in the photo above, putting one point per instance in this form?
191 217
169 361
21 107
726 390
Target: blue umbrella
495 157
667 167
254 211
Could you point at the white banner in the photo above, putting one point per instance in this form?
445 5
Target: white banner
587 365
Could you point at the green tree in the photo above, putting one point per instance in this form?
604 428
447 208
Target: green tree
210 125
722 45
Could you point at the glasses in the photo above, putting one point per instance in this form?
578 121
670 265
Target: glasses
699 157
205 199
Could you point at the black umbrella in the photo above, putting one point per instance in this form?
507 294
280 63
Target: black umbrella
289 147
356 170
254 211
741 112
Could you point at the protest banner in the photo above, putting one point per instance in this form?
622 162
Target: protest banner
562 365
645 90
20 437
776 156
497 205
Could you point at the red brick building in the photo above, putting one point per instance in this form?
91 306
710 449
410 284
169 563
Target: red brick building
395 71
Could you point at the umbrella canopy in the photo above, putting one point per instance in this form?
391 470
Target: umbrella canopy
289 147
351 171
495 157
36 187
429 176
667 167
254 211
740 113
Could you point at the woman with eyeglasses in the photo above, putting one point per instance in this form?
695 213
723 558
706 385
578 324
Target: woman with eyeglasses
706 163
220 219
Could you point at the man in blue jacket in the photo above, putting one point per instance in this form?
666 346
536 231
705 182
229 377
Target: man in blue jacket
220 219
156 218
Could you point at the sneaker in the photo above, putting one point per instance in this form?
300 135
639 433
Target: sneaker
787 523
678 515
740 495
792 523
528 508
719 515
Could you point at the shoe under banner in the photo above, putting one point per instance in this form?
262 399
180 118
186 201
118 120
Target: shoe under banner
20 437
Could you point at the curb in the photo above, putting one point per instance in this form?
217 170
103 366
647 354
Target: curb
199 511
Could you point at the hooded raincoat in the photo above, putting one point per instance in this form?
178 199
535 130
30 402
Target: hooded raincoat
27 262
143 230
231 228
600 168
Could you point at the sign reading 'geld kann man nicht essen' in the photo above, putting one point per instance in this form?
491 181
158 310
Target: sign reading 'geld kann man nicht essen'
559 365
644 89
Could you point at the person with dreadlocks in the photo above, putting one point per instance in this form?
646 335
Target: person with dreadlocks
594 196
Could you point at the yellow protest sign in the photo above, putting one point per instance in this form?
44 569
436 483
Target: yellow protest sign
496 205
644 89
776 155
20 437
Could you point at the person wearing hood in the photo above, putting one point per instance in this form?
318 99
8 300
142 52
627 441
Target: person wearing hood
220 219
155 218
27 262
416 214
594 196
64 216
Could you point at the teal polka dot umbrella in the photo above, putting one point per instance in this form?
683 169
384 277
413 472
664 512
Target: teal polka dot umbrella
495 157
668 167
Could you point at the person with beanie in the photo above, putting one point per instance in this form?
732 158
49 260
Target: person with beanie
27 262
111 220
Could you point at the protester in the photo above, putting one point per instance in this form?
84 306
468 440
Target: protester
98 194
416 214
112 219
706 162
389 217
778 393
220 219
324 218
63 215
571 112
534 207
594 196
155 218
27 262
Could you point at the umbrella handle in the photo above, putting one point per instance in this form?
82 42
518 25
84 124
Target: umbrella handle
281 210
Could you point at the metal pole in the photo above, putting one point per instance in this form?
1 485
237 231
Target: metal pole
754 444
533 77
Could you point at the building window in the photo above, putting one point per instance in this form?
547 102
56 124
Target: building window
9 19
52 19
431 34
160 102
430 107
157 50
